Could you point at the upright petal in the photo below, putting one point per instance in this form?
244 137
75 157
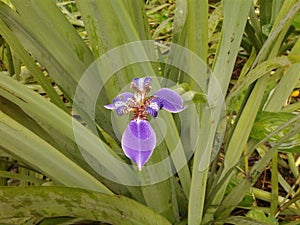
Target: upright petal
121 103
141 84
172 101
138 141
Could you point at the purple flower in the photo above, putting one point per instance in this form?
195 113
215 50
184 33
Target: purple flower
139 139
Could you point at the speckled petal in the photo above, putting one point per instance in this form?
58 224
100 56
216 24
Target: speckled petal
172 101
120 103
138 141
155 105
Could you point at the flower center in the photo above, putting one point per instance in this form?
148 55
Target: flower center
139 111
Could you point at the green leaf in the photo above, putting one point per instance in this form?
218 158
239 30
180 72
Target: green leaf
259 215
241 220
27 146
214 19
55 47
287 83
256 73
235 196
296 21
20 176
248 198
268 122
282 22
235 17
50 202
240 135
31 65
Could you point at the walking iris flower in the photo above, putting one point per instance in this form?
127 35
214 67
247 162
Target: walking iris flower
139 139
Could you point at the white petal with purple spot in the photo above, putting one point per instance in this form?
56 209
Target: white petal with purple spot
155 105
120 103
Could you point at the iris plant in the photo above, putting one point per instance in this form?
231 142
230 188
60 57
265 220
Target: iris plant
139 139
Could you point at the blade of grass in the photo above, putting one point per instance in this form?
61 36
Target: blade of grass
39 115
179 20
284 87
10 61
165 203
190 31
251 35
232 32
161 26
275 103
265 15
173 144
264 195
240 135
282 22
213 21
293 165
242 141
274 183
196 34
180 31
22 177
140 19
259 71
256 23
197 27
46 42
277 5
31 65
25 145
240 220
101 27
234 197
115 19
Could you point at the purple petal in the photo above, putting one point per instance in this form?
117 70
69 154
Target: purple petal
155 105
141 84
138 141
121 103
172 101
